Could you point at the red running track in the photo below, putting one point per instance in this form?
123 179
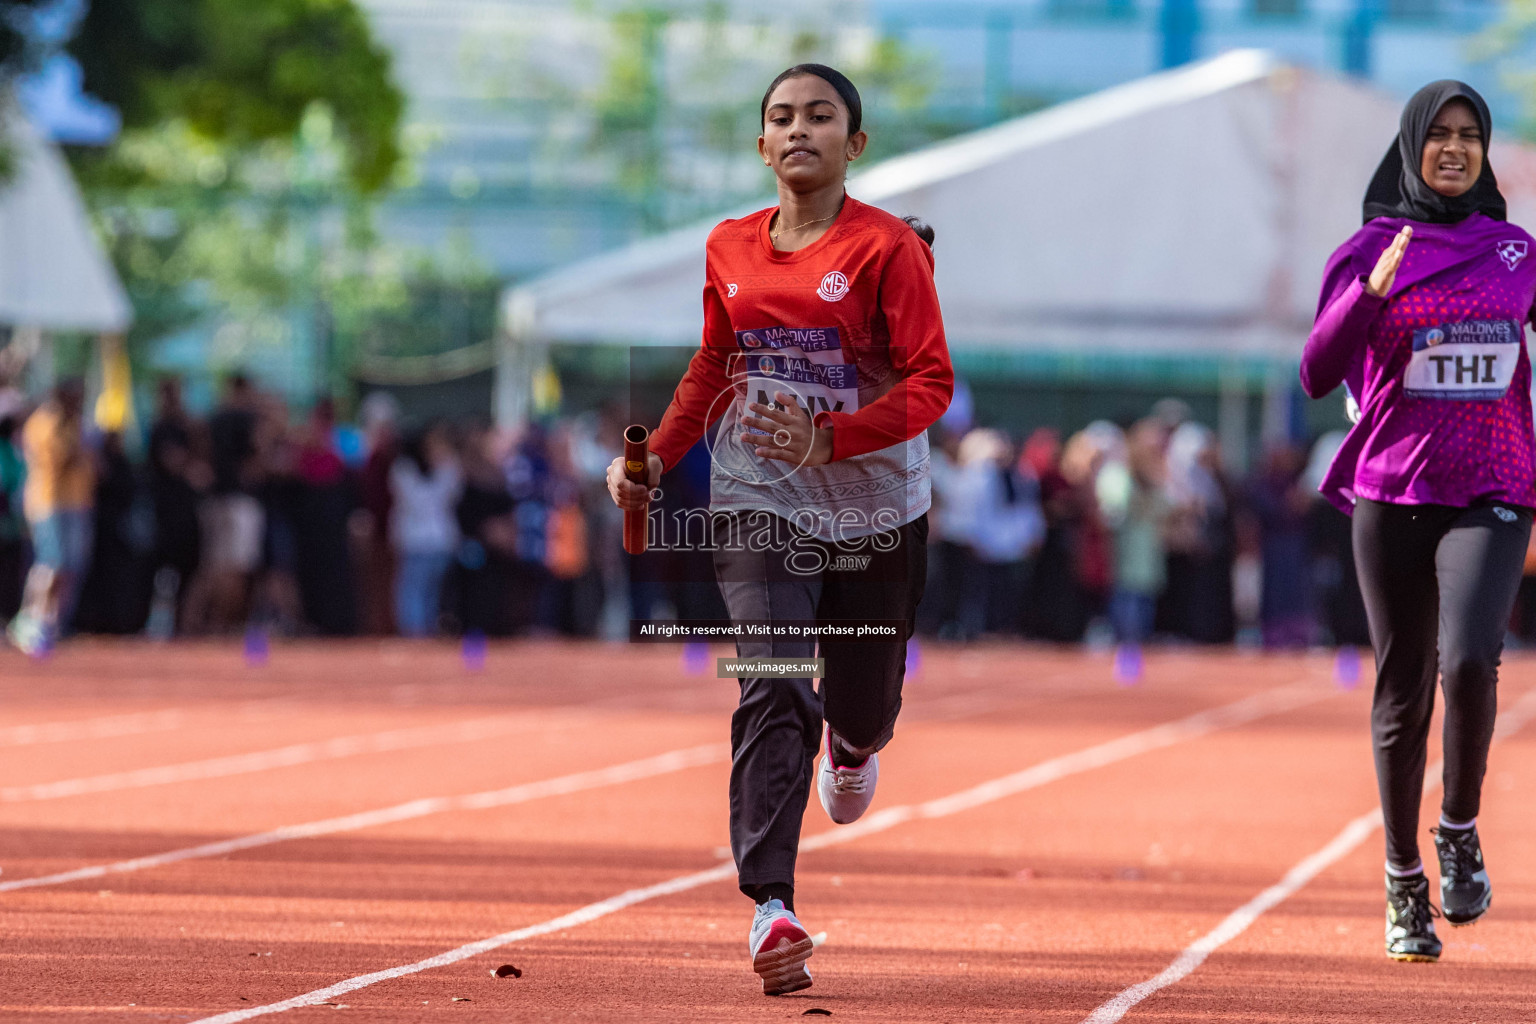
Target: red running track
1043 841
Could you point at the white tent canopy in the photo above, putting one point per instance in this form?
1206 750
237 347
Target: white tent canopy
1188 213
53 273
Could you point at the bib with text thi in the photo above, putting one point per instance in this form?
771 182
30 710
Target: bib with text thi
1469 360
806 362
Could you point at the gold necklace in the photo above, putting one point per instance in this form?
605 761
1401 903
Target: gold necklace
773 236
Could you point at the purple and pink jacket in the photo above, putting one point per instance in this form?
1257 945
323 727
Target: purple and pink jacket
1430 433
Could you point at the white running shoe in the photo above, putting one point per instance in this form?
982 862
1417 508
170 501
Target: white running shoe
780 946
28 635
846 793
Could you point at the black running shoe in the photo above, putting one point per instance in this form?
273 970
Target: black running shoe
1410 928
1465 892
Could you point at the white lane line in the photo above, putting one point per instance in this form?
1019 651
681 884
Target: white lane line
1237 922
92 728
629 771
132 723
672 761
1000 697
281 757
1243 711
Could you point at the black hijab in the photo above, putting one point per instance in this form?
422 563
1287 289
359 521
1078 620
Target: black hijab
1398 188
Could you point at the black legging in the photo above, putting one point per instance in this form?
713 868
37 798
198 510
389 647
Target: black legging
1428 573
776 729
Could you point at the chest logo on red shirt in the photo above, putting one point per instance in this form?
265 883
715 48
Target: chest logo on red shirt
730 291
1511 252
833 287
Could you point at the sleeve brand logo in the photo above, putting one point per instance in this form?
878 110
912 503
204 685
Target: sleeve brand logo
1511 252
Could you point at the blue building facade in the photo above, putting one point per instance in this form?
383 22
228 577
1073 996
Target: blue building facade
495 170
993 54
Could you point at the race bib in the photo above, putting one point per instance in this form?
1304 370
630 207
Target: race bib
1469 360
817 387
806 362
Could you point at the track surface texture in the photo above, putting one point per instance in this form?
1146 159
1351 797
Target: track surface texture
184 836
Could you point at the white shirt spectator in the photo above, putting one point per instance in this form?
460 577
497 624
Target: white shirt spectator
999 526
423 520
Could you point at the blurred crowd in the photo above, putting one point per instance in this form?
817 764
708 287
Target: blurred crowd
253 518
1134 534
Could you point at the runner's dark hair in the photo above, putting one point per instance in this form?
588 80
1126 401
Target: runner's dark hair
833 77
923 229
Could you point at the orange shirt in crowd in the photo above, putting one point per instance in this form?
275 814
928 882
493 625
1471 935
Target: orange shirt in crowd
60 472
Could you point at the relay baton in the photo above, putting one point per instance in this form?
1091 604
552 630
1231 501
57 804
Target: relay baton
636 468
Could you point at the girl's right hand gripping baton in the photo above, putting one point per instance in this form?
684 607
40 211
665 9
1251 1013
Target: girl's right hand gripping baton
636 469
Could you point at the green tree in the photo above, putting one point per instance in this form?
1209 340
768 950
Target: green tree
1505 47
630 105
18 53
240 191
657 99
240 73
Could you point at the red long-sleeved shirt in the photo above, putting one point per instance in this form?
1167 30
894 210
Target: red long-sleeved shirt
868 282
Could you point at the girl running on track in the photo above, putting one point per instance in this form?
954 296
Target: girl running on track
1422 316
824 360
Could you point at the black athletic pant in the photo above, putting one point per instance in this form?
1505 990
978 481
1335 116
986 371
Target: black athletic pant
1431 572
776 729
